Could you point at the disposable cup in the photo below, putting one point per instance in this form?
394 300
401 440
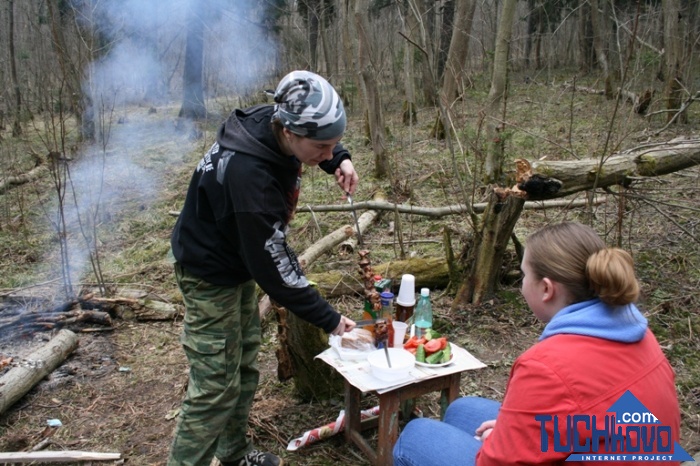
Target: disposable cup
407 291
399 333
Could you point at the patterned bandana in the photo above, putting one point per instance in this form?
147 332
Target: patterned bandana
307 105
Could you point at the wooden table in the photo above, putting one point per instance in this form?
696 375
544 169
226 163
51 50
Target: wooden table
389 408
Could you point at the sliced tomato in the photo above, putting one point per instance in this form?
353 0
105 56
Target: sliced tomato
432 346
412 350
413 342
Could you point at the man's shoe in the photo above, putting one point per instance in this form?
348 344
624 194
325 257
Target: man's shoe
256 458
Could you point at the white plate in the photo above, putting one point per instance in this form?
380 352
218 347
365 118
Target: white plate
442 364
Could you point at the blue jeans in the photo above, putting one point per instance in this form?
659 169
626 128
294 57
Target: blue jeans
428 442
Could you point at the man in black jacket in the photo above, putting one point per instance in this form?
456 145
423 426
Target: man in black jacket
231 234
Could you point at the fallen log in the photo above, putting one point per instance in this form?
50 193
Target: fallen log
556 179
19 380
33 174
141 309
430 272
436 212
65 456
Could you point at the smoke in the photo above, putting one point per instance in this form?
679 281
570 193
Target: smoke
135 89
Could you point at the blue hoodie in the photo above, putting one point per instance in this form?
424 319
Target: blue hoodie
594 318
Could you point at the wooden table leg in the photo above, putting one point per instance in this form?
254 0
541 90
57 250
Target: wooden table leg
388 427
449 393
353 422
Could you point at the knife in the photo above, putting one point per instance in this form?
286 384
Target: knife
363 322
354 216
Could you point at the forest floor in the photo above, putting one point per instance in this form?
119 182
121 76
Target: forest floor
121 389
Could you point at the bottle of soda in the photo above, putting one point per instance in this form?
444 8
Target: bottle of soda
423 314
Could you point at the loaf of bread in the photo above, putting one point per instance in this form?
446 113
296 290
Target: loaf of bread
359 339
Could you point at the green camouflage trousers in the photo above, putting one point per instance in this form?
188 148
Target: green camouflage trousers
221 339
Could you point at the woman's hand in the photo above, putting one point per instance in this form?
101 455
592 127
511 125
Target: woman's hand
346 176
345 325
485 429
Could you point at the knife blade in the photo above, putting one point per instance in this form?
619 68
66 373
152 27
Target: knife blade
354 216
363 322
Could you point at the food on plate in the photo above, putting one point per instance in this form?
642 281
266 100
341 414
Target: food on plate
359 339
430 349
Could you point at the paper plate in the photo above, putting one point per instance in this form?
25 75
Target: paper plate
442 364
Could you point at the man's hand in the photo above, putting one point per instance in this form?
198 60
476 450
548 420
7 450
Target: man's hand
346 176
345 325
485 429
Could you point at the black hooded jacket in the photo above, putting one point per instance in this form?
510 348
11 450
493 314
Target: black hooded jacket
240 200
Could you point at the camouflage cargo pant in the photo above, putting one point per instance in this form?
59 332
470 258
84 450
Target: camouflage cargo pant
221 339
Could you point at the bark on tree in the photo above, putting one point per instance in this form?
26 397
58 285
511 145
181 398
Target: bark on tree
71 73
585 39
552 179
17 124
673 45
456 65
493 165
19 380
599 30
487 252
193 106
409 111
373 103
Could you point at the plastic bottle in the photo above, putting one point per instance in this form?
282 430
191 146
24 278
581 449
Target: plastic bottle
423 315
384 329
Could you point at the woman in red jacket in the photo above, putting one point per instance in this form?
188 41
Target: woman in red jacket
596 387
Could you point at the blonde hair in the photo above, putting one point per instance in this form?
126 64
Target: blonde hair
574 255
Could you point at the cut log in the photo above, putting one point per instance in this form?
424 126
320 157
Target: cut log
555 179
486 255
136 308
19 380
57 456
430 272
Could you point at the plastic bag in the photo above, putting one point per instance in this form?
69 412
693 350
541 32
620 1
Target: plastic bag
358 344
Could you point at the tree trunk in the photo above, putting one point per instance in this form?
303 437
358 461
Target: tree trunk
193 106
456 66
71 73
446 33
17 125
19 380
493 165
585 42
313 379
313 23
598 22
373 102
486 254
420 34
673 45
409 113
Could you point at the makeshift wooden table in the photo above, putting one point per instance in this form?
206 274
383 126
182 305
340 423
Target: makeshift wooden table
421 380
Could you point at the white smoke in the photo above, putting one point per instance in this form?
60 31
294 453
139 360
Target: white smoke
136 91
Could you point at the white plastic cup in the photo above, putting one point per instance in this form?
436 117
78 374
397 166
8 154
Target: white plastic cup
407 291
399 333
